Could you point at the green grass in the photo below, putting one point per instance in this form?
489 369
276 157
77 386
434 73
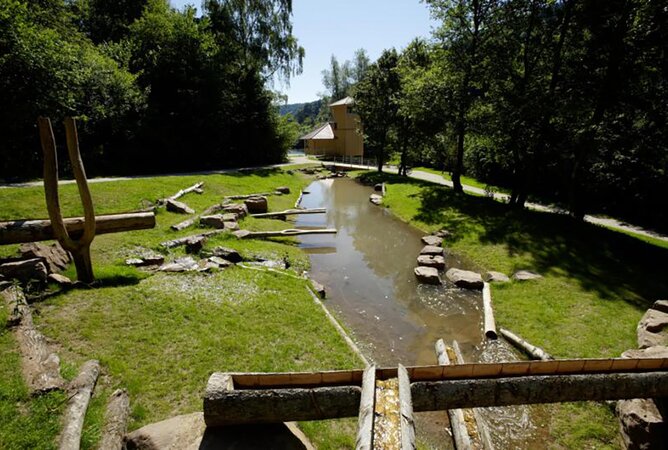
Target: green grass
465 180
597 282
162 335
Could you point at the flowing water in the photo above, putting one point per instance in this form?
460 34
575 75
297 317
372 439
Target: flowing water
367 269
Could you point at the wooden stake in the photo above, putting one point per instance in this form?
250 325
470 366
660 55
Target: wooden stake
82 390
366 416
488 312
533 351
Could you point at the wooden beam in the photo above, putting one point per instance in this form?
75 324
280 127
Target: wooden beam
533 351
81 391
460 434
245 234
197 187
27 230
488 312
406 408
366 416
290 212
115 421
241 197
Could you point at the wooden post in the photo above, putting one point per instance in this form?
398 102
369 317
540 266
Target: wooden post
80 248
460 434
488 312
366 416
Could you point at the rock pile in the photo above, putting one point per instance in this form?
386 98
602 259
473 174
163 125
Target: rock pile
36 262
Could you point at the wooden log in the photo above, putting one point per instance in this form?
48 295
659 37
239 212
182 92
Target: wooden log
197 187
406 408
81 389
225 406
460 434
289 212
533 351
184 240
534 389
245 234
26 230
115 421
488 312
40 366
365 419
299 199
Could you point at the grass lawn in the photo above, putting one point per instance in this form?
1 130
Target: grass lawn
464 179
597 282
161 335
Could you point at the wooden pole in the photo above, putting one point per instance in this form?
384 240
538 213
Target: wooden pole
366 416
289 212
299 199
488 312
29 230
533 351
406 408
460 434
115 421
197 187
82 390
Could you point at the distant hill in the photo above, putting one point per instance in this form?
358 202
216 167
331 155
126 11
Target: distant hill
302 111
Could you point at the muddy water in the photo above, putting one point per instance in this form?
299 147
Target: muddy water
367 269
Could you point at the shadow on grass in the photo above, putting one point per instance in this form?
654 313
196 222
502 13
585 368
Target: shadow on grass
611 263
114 276
257 172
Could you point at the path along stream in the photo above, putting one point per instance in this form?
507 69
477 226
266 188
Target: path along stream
367 270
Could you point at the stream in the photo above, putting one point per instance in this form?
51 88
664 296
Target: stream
367 270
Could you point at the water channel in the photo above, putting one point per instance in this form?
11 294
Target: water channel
367 270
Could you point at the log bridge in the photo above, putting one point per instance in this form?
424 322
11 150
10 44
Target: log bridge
243 398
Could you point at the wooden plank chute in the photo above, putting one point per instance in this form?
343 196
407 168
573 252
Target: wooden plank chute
366 415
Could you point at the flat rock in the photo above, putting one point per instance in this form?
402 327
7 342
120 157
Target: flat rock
256 205
659 351
53 256
432 240
443 233
525 275
227 253
231 225
60 279
652 329
195 244
189 432
283 189
428 275
641 424
435 261
220 262
661 305
465 278
185 264
236 208
25 270
431 250
178 207
376 199
241 234
214 221
145 261
496 277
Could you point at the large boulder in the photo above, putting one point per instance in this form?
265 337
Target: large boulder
432 240
496 277
642 421
178 207
25 270
525 275
189 432
435 261
256 205
427 275
465 279
652 329
431 250
53 256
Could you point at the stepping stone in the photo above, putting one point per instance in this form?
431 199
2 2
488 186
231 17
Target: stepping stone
465 279
256 205
435 261
227 253
427 275
652 329
432 240
525 275
195 244
319 288
431 250
376 199
496 277
443 233
186 264
237 208
283 189
231 225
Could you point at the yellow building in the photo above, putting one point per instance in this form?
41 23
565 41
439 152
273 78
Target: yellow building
340 137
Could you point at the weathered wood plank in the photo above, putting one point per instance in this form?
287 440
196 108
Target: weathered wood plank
197 187
365 419
406 409
28 230
245 234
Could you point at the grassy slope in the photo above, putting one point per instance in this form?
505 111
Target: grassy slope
464 179
161 336
597 282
